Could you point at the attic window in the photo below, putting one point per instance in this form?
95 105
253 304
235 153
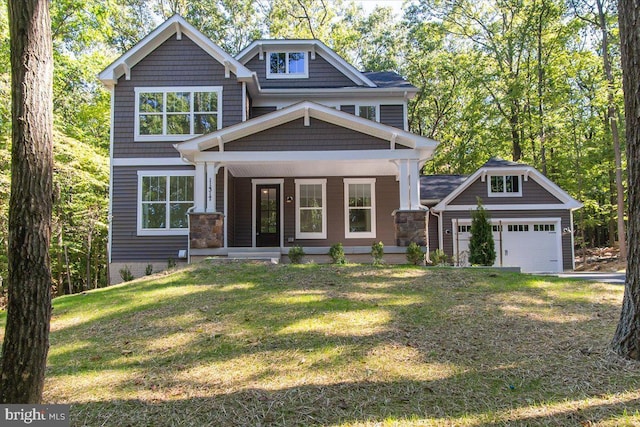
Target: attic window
504 186
287 65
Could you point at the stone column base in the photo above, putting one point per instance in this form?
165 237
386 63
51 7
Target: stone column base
410 226
206 230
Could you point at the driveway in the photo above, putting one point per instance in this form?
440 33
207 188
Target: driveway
617 278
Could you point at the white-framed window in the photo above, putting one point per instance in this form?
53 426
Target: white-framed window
311 208
518 228
371 112
504 186
176 113
282 65
360 207
164 197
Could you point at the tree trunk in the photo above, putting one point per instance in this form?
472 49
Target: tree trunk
612 123
626 341
26 341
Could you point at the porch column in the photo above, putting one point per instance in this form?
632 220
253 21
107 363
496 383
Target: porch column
199 188
414 185
212 171
403 178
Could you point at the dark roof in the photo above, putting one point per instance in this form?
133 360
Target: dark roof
437 187
497 162
388 79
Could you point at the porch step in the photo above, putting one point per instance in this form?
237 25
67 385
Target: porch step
274 257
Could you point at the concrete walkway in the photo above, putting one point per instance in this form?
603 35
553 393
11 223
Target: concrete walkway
617 278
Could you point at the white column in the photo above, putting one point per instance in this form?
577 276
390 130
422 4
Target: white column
414 185
199 187
212 170
404 184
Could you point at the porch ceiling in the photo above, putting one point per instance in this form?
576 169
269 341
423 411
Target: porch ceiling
318 168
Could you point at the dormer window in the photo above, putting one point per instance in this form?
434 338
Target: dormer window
505 186
368 112
287 65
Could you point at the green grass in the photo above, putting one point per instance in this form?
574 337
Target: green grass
255 344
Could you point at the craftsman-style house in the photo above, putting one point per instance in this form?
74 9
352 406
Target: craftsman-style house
284 144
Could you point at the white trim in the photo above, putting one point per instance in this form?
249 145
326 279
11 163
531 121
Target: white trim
149 161
286 75
315 46
421 144
226 207
567 202
514 207
245 105
504 193
169 89
306 235
261 181
165 231
375 105
360 235
111 165
296 156
174 25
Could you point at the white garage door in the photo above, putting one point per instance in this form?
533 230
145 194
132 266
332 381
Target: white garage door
532 245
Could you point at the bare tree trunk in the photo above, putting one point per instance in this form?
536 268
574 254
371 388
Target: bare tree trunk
66 261
626 341
612 122
26 341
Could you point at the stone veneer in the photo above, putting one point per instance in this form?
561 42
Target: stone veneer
410 226
206 230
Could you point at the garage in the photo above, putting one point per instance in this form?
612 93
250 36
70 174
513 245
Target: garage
533 245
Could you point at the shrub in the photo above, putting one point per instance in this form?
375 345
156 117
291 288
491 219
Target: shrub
438 257
337 254
415 255
149 270
125 274
171 263
377 252
296 253
482 249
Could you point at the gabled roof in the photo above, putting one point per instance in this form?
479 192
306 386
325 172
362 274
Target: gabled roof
313 45
307 109
436 187
496 165
174 25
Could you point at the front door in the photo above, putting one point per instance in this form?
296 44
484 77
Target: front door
268 215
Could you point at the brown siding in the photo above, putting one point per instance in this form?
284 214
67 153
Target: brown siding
433 230
261 111
321 75
297 137
242 211
351 109
392 115
126 245
564 215
532 192
174 63
220 190
231 212
387 200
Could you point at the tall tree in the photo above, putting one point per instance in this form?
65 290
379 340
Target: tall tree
26 341
626 340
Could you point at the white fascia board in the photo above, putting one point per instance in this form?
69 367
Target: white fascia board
308 44
568 202
110 75
316 111
368 92
148 161
298 156
514 207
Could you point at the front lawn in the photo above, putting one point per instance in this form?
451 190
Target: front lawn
256 344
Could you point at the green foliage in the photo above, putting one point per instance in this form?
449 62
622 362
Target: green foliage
481 245
415 255
377 252
148 271
171 263
125 274
438 257
336 252
296 253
